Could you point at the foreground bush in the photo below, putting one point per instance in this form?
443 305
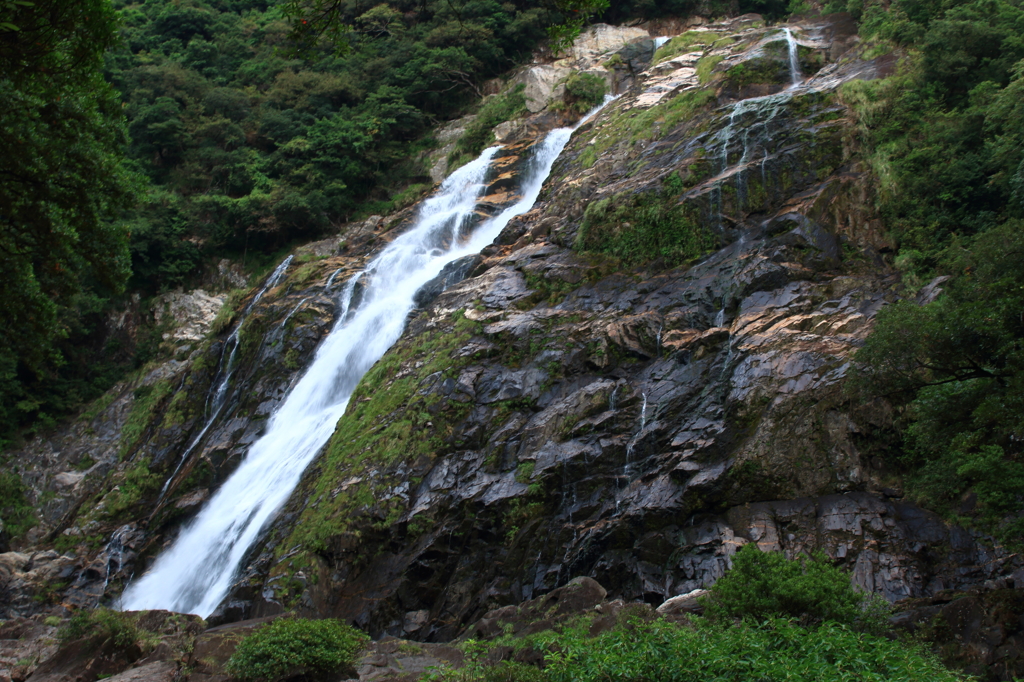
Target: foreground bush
120 628
292 646
778 649
775 650
762 584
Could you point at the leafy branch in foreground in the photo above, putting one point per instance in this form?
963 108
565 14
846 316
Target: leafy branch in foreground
578 14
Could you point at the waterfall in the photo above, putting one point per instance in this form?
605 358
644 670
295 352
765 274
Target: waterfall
196 572
795 76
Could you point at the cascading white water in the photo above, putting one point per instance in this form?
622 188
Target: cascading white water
755 114
196 572
795 76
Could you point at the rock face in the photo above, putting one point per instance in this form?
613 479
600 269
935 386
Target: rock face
190 314
542 85
636 424
601 393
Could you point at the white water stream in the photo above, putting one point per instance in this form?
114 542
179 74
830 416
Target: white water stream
196 572
754 117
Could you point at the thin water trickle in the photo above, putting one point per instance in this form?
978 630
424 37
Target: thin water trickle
659 41
222 379
293 311
330 280
636 436
115 553
720 318
196 572
755 115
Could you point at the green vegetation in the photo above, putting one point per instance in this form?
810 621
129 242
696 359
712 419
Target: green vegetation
777 649
681 44
134 485
15 511
148 398
496 109
706 67
122 628
643 227
584 91
646 648
62 187
765 584
387 421
296 646
768 619
957 365
945 136
946 132
761 70
639 124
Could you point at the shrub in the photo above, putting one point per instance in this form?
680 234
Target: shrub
645 226
15 511
315 648
584 91
776 649
765 584
506 671
120 627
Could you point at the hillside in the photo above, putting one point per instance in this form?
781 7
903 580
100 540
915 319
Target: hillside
564 342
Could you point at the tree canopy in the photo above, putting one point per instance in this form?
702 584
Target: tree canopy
62 186
945 135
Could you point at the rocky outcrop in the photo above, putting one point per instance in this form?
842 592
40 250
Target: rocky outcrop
24 644
635 424
638 425
980 631
189 314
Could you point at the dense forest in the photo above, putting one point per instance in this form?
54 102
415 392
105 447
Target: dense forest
946 137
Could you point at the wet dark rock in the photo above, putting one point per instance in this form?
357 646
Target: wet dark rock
980 631
577 597
453 273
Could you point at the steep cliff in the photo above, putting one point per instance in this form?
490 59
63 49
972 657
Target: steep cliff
641 374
